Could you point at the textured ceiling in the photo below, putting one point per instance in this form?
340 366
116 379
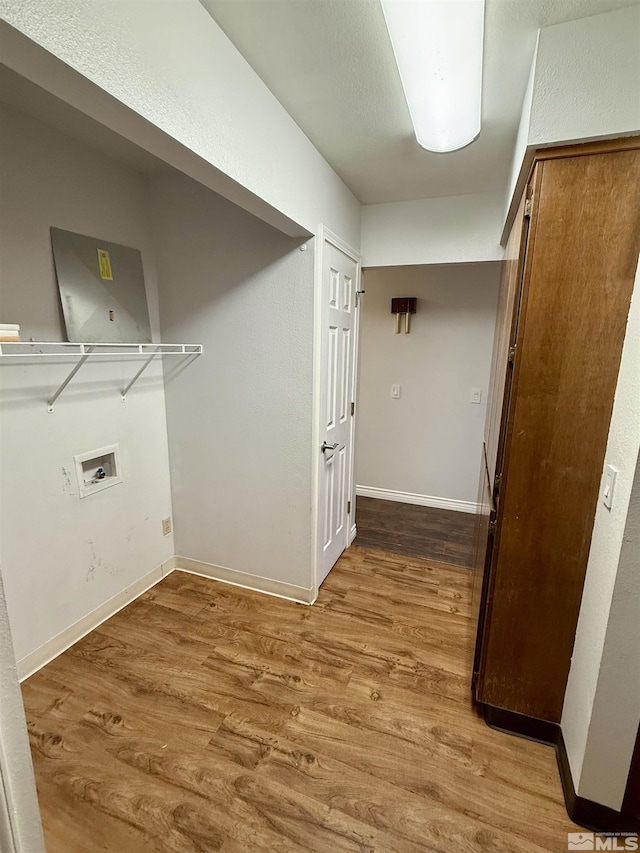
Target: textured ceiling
331 65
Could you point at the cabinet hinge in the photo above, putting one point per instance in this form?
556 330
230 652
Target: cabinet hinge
497 482
512 355
348 507
353 409
527 206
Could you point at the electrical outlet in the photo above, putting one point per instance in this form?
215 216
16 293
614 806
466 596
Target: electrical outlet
166 526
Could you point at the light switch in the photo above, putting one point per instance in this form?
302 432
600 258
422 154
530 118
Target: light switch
476 395
609 485
395 392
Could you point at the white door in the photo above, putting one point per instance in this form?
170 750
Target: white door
338 333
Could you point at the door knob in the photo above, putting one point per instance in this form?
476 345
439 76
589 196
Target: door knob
326 446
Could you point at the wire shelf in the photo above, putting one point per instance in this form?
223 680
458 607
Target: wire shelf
43 350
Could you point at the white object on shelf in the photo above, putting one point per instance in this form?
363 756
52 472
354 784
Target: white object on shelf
50 350
10 332
98 469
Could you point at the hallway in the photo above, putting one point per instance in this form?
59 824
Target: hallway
207 717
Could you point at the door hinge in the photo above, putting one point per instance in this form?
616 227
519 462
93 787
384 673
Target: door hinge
353 409
497 482
358 292
512 355
492 526
527 206
348 507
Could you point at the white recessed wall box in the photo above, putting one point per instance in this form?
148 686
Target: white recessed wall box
98 469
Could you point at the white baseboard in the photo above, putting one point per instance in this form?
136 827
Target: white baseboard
352 534
61 642
41 656
246 580
418 500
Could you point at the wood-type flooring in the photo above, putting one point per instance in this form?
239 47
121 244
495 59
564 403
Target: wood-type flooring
205 717
416 531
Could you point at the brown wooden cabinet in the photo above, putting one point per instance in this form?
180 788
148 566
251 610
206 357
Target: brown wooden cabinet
565 294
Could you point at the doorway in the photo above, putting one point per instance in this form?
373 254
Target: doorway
421 408
335 366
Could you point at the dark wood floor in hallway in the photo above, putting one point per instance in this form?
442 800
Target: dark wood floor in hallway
416 531
205 717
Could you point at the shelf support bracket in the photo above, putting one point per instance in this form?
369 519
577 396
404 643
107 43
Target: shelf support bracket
85 355
123 394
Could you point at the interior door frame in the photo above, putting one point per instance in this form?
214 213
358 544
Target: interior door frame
324 236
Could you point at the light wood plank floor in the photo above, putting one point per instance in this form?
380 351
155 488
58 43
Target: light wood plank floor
205 717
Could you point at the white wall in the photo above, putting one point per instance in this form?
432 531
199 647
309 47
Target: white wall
587 79
429 441
171 63
602 703
61 556
239 418
522 153
584 85
616 709
455 229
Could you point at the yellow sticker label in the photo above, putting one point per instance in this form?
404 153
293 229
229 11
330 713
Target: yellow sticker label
104 263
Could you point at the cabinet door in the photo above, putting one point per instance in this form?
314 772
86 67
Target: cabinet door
505 335
483 549
509 301
579 273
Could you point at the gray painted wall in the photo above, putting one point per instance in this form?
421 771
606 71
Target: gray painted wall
199 90
239 418
602 704
62 556
616 708
428 442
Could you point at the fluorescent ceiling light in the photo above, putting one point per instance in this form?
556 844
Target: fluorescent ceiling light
438 47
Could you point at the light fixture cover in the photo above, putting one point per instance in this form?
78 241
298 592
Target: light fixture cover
438 46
